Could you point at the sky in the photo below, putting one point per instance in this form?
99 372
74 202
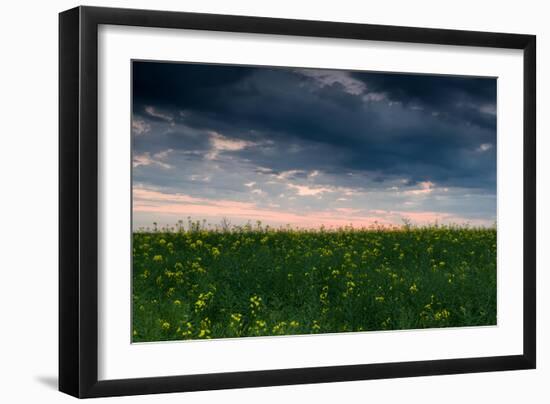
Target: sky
310 147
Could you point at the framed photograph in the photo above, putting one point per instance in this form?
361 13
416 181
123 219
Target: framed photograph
251 201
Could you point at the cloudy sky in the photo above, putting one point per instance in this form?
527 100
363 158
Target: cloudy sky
311 147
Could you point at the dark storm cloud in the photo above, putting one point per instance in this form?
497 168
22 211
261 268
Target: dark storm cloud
434 90
455 98
183 86
414 127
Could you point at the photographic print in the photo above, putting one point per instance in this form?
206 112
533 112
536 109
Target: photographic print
272 201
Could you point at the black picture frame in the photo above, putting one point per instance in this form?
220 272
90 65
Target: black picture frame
78 201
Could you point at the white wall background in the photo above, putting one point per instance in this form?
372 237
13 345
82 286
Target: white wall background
28 203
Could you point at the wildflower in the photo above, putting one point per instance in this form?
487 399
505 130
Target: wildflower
196 267
203 300
379 299
279 328
177 302
187 331
165 325
235 323
205 328
157 258
413 288
442 315
255 303
429 305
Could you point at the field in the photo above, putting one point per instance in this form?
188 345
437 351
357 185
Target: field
255 281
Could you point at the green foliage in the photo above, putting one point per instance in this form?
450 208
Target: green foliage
257 281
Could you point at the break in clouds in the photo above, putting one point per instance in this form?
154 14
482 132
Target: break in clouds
311 147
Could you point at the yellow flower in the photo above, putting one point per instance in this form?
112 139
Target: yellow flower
202 301
205 328
255 303
442 315
157 258
188 330
379 299
177 302
165 326
413 288
196 267
279 328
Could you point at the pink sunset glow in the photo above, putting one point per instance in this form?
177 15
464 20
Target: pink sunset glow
173 207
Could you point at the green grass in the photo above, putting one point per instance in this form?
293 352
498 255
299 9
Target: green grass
202 283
